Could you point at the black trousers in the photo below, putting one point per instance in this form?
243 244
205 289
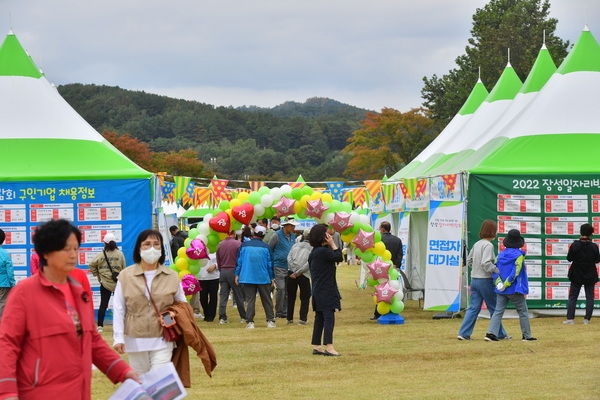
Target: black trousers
209 298
104 299
293 284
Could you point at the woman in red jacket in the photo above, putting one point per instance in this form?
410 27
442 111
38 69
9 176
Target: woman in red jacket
48 338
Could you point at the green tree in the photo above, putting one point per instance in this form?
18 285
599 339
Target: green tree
387 142
518 25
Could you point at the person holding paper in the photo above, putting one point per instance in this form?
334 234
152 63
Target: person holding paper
48 337
137 328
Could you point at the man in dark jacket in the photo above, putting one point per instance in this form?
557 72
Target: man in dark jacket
177 241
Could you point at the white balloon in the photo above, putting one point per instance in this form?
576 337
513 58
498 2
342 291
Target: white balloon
382 280
207 217
285 189
399 295
277 193
259 209
328 217
203 229
394 284
266 200
354 217
364 219
203 237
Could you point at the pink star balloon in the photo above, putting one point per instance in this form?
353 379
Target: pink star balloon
285 207
315 208
364 240
197 250
379 269
341 222
385 292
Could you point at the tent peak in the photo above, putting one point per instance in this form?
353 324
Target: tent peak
10 32
586 28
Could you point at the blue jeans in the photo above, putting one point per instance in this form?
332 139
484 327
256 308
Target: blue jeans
521 306
482 289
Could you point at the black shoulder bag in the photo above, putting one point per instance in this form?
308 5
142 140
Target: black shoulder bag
115 275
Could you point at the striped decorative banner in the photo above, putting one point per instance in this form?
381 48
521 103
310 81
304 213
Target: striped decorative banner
161 177
255 185
359 196
181 183
373 187
389 192
201 196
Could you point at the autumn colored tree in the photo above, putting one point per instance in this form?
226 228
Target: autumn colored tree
387 141
132 148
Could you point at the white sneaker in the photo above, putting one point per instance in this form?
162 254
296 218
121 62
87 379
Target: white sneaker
198 315
250 325
99 329
223 321
243 321
569 322
270 324
586 321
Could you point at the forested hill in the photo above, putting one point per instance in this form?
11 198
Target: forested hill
260 143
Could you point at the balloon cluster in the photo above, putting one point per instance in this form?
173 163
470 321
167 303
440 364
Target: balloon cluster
188 261
388 294
304 203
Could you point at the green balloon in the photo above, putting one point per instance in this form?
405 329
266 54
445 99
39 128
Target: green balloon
377 237
264 190
297 193
368 256
186 242
254 198
269 212
224 205
397 306
372 282
368 228
393 273
307 190
193 233
194 269
336 205
346 207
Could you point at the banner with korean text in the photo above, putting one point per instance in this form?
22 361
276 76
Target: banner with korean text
444 247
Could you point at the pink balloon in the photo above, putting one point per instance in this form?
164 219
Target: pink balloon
285 207
341 222
364 240
315 208
190 284
385 292
197 250
379 269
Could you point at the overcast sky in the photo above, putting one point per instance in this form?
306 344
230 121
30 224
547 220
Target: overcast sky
367 53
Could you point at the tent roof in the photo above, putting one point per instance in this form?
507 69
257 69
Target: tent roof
41 137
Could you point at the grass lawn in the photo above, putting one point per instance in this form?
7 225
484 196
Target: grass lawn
420 359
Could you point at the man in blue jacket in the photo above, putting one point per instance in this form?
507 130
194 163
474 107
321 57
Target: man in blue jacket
281 243
254 270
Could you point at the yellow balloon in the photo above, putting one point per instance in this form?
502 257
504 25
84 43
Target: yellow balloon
379 248
374 299
243 196
303 200
348 237
383 307
298 207
327 198
182 263
188 297
184 273
228 211
235 202
386 255
222 236
181 252
315 195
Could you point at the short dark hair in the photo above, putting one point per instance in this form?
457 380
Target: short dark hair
317 235
265 221
586 230
386 226
2 236
52 236
173 228
110 246
489 229
275 218
138 245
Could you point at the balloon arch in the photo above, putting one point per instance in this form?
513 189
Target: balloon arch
304 203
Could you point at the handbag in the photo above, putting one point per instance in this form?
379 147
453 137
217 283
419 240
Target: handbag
115 275
169 333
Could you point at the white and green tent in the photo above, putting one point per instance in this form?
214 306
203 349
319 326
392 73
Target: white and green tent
531 167
53 164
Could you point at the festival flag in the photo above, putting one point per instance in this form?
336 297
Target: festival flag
389 192
201 196
255 185
161 177
181 183
373 187
408 187
298 184
336 189
188 196
167 191
347 196
218 189
359 196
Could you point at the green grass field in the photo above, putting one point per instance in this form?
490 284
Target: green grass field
420 359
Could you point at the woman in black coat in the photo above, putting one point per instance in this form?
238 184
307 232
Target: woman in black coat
325 295
583 255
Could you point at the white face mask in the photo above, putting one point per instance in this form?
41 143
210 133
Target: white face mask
150 255
275 226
